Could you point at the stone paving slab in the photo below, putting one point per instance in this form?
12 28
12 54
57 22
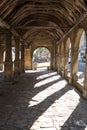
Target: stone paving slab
42 100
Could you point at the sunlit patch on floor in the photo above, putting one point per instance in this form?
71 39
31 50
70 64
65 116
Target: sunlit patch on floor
47 92
58 113
55 105
46 75
48 80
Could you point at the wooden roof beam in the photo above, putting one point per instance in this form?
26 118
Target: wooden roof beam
5 26
78 22
40 27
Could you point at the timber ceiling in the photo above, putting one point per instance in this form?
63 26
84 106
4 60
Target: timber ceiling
30 17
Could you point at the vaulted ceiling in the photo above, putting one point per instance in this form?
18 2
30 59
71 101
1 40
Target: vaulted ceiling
54 17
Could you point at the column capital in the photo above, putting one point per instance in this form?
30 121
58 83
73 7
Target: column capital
73 36
17 40
22 42
75 51
66 53
5 31
16 37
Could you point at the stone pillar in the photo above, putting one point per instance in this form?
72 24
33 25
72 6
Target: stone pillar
28 60
22 58
56 57
74 58
8 65
74 65
53 57
62 60
85 79
61 55
66 54
16 62
59 59
1 56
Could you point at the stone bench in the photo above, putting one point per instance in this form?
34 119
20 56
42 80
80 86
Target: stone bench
41 65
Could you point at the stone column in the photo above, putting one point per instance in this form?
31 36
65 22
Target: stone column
16 62
61 55
28 60
62 60
66 54
53 57
1 55
56 57
8 65
59 59
22 58
74 58
74 65
85 79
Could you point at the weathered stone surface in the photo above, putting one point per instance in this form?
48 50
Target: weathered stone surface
51 106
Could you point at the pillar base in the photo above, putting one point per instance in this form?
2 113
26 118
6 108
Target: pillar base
22 66
84 94
70 80
73 79
62 73
1 66
16 68
8 71
65 73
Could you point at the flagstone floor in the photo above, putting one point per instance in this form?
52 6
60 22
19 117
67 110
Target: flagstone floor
41 100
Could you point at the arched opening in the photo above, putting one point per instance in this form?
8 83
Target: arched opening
4 56
82 56
69 58
2 60
41 58
13 55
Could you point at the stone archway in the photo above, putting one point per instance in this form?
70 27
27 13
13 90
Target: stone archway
75 39
81 58
41 58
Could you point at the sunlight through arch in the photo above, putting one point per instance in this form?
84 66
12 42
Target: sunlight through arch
41 58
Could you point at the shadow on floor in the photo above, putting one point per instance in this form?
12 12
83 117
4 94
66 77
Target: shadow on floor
15 112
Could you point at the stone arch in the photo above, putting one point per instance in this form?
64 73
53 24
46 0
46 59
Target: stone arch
47 48
39 35
36 47
79 33
82 52
77 37
74 53
68 41
40 46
